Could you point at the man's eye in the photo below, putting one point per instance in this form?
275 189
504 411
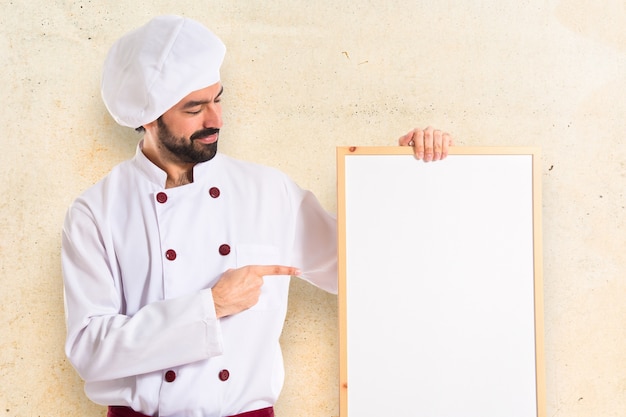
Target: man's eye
194 112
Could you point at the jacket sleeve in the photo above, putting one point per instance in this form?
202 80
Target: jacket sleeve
315 243
103 343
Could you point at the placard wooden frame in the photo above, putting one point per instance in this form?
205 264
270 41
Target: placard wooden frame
387 382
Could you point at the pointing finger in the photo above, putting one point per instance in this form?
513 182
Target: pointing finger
276 270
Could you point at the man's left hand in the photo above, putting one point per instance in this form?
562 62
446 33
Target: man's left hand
428 144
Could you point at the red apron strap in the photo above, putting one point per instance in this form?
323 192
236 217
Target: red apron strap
263 412
118 411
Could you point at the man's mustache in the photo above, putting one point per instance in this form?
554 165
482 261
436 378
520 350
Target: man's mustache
204 133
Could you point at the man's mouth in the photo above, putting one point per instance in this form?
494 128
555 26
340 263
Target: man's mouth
208 135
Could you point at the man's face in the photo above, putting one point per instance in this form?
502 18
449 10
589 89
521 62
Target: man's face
189 131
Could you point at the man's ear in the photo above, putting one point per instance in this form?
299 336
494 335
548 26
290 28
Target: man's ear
150 125
148 128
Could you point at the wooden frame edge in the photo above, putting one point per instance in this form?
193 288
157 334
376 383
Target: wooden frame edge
341 270
540 377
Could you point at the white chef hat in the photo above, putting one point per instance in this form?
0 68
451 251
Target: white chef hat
152 68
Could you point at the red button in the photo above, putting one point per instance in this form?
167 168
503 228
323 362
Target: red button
214 192
170 376
224 375
161 197
170 254
224 249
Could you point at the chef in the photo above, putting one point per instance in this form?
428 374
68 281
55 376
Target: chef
177 264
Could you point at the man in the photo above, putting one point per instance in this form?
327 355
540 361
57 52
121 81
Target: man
177 264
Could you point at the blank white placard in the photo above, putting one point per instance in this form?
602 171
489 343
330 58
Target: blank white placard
438 275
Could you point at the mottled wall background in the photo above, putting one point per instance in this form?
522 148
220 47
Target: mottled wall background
302 77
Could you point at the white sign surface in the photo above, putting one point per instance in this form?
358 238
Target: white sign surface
438 283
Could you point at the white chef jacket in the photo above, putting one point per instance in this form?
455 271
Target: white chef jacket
139 262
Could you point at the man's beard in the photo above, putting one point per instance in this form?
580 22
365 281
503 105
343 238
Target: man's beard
187 150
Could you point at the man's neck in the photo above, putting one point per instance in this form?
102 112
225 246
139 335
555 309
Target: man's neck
176 180
178 173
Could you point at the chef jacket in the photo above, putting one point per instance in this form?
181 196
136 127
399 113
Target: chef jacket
139 262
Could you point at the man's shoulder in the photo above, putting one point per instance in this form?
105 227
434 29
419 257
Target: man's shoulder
115 179
252 169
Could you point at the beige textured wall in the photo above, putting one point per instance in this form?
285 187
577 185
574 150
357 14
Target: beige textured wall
304 76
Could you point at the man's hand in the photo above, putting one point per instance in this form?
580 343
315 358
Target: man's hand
429 144
239 289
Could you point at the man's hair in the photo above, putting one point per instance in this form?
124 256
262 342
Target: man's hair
142 129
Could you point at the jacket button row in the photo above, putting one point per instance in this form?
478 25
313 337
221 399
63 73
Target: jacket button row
170 254
224 375
170 376
161 197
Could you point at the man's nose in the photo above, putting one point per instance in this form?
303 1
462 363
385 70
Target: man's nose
213 116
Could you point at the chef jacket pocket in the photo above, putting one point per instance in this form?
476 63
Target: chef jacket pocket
275 287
